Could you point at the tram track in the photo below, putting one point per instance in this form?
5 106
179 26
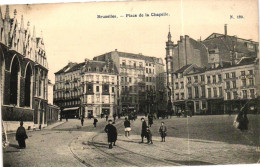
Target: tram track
117 158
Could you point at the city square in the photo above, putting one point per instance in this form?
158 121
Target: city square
188 142
130 84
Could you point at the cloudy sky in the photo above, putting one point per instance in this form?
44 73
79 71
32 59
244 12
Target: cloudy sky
72 31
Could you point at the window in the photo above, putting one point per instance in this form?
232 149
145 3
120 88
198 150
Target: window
235 94
220 91
189 79
130 88
150 71
228 95
209 92
125 79
250 72
219 77
113 89
234 84
228 85
243 82
244 94
251 81
189 92
182 96
243 73
203 91
123 63
195 79
214 78
252 93
208 79
215 92
176 75
233 75
130 79
196 92
146 70
182 85
176 85
122 79
140 64
227 75
202 78
97 88
177 96
146 79
134 64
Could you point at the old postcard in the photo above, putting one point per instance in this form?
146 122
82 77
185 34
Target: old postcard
140 83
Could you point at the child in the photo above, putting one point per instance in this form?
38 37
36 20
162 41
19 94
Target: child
163 131
149 135
95 122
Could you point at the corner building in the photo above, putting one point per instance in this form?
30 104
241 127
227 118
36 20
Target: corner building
137 75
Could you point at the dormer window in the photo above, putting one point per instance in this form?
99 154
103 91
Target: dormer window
89 69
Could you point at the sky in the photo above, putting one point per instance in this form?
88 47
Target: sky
72 31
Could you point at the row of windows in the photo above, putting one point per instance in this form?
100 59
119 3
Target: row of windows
242 73
149 71
216 78
243 81
244 94
217 92
130 63
177 85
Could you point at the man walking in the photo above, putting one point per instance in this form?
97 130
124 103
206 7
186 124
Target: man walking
111 134
21 136
144 126
150 120
82 120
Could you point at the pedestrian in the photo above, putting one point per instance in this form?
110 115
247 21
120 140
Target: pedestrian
149 136
111 134
127 125
114 116
106 117
150 120
95 122
21 136
66 118
82 120
144 126
163 131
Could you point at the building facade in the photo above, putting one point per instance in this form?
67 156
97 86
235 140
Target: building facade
24 72
216 90
89 89
137 80
195 73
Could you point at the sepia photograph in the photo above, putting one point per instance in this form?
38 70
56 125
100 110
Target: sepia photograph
130 83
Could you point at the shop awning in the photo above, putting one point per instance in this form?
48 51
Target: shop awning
72 108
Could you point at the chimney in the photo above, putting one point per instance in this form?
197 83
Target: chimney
181 38
86 60
225 29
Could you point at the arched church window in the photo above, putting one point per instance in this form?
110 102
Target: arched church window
27 91
15 69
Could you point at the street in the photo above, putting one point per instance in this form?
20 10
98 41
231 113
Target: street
197 140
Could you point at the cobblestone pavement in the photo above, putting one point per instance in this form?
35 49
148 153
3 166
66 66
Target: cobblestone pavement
200 140
47 147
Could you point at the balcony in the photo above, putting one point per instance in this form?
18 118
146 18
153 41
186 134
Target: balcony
123 73
131 67
247 86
